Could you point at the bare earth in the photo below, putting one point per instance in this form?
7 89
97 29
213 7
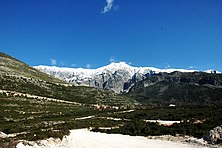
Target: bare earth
83 138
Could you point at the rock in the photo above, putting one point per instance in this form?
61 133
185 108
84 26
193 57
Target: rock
215 135
3 135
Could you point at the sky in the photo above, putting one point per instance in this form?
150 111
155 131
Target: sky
92 33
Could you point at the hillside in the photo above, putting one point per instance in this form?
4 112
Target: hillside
36 106
178 87
19 77
13 67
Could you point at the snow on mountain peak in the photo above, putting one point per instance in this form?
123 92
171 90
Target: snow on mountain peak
119 65
112 67
113 76
81 73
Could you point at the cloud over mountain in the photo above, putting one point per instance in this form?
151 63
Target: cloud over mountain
53 61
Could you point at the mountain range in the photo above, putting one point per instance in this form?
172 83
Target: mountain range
18 77
117 84
118 77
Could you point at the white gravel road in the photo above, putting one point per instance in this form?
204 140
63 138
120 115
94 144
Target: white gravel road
83 138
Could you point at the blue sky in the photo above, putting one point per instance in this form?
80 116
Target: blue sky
91 33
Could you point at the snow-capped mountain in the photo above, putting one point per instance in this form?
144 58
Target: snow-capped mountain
117 77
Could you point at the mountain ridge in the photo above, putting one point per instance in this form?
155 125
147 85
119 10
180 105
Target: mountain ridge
178 87
118 77
124 65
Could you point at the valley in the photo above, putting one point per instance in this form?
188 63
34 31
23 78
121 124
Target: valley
36 106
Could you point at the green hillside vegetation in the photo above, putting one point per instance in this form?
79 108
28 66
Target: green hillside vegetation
79 94
34 119
196 120
12 66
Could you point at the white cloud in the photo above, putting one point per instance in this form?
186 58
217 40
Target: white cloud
167 66
191 67
88 65
108 7
53 61
112 59
73 65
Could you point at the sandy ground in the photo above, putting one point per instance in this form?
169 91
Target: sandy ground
82 138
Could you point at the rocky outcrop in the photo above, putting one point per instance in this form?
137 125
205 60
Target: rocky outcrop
110 81
215 135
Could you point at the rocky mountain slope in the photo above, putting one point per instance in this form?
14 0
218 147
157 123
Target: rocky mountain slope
178 87
118 77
